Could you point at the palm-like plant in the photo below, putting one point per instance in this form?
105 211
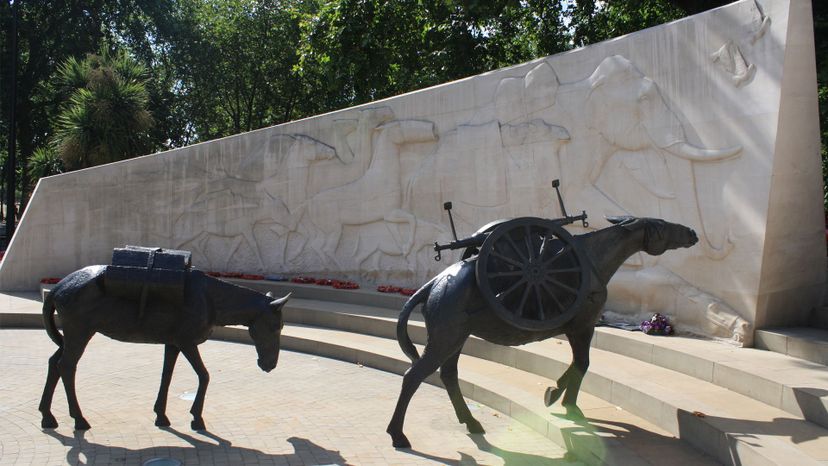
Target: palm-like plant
44 162
105 117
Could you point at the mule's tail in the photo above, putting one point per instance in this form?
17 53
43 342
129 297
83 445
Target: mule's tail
49 319
402 323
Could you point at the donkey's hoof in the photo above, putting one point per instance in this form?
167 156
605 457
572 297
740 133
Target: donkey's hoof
81 424
162 421
399 440
197 424
552 395
475 427
574 413
48 422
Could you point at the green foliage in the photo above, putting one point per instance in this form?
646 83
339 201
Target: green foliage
45 161
105 118
595 21
820 10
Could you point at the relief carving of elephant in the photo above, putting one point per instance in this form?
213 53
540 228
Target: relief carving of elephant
627 110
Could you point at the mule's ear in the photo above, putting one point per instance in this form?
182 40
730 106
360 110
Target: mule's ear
620 219
281 301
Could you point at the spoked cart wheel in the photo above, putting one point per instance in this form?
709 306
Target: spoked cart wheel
533 273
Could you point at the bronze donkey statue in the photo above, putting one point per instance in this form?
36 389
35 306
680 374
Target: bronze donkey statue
454 309
85 308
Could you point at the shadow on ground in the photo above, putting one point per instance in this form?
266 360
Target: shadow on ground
211 449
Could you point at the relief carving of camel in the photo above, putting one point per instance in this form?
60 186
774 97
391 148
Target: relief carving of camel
375 196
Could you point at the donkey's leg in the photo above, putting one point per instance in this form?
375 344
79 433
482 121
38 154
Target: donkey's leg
193 356
74 343
448 374
579 341
552 394
434 355
170 356
52 378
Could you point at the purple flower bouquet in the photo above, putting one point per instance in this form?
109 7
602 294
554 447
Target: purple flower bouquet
657 325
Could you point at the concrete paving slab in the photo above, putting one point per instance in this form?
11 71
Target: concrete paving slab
309 411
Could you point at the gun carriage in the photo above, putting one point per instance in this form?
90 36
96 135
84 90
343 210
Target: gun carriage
530 270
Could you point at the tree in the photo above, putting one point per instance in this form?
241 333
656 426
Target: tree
105 117
44 162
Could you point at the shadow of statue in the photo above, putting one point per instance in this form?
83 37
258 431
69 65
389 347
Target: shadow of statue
749 432
510 458
83 452
587 441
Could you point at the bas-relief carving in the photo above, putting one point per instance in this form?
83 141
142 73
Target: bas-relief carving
496 165
236 200
627 125
375 196
697 311
731 60
761 24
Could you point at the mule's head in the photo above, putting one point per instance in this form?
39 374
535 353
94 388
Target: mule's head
265 330
659 235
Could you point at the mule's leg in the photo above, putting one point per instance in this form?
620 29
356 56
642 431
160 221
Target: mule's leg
52 378
552 394
433 357
170 356
193 356
74 343
579 341
448 374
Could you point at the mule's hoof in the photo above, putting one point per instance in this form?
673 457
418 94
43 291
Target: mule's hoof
475 427
48 422
399 440
552 395
81 424
197 424
162 421
574 413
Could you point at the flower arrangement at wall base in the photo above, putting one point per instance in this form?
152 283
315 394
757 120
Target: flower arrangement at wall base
657 325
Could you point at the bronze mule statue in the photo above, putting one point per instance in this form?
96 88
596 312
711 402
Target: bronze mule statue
454 308
86 308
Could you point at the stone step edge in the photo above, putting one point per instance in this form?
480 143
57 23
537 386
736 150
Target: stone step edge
711 437
708 436
564 433
804 402
810 344
800 402
586 446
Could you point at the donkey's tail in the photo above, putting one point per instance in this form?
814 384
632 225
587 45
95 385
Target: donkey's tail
49 319
402 323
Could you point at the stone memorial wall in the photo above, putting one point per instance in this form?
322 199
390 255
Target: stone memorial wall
710 121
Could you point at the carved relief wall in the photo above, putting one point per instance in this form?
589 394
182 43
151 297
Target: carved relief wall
678 122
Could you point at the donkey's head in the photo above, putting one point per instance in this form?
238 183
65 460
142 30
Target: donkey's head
659 235
265 330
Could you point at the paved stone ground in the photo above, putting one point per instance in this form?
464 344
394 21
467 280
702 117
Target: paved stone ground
308 411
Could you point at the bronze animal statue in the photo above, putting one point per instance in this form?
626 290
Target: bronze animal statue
85 308
455 306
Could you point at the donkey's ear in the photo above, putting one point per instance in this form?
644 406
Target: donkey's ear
620 219
281 301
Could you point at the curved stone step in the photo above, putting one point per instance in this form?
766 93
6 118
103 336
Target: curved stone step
795 386
664 397
615 437
733 428
792 385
